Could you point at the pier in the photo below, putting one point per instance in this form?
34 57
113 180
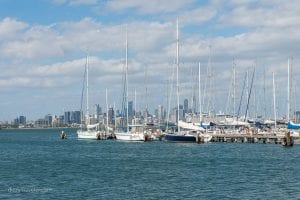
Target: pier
285 140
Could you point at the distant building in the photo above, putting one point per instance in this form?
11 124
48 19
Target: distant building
160 113
297 116
174 114
185 106
67 118
41 123
98 111
111 114
58 121
22 120
76 117
72 117
16 121
49 119
130 109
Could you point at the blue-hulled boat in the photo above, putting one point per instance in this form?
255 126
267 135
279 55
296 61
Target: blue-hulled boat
293 126
179 138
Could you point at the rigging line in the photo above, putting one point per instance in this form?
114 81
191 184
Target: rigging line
249 95
82 93
240 104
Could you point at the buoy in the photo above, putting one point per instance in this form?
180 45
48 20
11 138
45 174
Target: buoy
63 135
98 136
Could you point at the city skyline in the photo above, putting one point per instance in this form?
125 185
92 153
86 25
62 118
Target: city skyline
44 45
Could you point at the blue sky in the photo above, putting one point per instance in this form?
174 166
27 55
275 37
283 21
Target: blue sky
43 44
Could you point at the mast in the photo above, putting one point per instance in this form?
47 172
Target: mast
126 75
199 92
247 91
234 80
146 95
265 106
274 99
107 132
87 88
115 120
255 103
210 104
288 90
177 74
134 105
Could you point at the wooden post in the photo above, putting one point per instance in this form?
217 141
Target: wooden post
288 140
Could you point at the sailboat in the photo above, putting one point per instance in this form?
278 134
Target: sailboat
87 130
181 136
132 132
291 125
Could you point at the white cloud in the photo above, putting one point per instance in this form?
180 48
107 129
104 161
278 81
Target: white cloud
52 57
261 14
149 7
10 27
198 16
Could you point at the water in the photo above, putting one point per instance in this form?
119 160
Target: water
36 164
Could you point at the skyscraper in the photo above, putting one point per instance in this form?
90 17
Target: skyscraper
67 117
111 114
76 117
130 109
22 120
185 106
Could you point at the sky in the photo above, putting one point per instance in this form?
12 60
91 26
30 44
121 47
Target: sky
44 43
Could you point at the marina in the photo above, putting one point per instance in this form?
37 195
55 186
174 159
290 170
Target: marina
158 100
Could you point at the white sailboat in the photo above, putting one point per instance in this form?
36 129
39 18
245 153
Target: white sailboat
90 131
134 132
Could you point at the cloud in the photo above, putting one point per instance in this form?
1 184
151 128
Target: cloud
198 16
75 2
262 14
52 57
9 28
148 7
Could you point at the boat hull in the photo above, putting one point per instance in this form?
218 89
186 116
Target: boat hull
130 136
91 135
179 138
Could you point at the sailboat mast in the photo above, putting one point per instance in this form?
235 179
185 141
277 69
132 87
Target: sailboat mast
177 75
115 120
199 92
87 88
134 105
274 100
106 111
234 82
126 76
288 92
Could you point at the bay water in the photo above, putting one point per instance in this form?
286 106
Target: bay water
37 164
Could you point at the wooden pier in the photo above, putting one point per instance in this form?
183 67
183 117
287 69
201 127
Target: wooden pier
285 140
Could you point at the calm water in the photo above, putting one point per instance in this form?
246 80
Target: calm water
36 164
